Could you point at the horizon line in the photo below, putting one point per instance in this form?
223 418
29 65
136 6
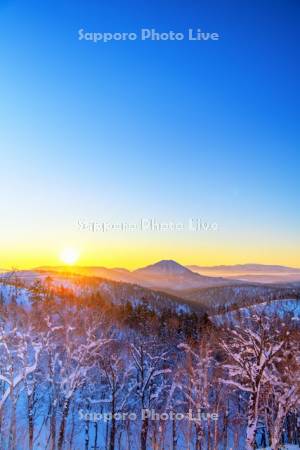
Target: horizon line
69 266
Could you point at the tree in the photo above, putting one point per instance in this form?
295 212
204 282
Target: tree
152 365
250 350
77 358
20 350
196 381
284 387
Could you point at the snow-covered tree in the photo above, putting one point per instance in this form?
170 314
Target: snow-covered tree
82 342
195 382
283 390
251 349
117 385
152 366
20 350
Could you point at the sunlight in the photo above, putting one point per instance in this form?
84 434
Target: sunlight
69 256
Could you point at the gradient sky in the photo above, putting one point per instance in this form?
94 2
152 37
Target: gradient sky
171 130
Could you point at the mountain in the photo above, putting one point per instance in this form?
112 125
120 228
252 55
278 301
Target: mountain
207 298
113 292
246 268
162 287
95 271
174 278
170 275
166 275
257 273
240 294
166 267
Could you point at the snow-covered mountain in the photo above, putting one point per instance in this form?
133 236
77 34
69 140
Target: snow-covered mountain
281 308
114 292
240 294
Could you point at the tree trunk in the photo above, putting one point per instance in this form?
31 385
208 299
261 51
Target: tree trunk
72 430
277 430
252 421
53 426
199 436
216 432
87 434
62 430
106 434
96 435
174 434
12 431
113 425
144 433
30 421
30 430
225 430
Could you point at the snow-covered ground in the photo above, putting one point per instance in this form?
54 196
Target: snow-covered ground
278 307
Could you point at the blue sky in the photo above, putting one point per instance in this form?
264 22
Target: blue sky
124 130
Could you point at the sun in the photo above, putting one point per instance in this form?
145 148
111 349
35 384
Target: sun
69 256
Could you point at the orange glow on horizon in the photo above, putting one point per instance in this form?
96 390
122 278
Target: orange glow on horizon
134 257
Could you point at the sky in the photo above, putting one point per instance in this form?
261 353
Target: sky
126 131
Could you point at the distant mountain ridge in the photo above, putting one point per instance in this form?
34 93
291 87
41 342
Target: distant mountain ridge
209 297
171 276
164 275
248 267
259 273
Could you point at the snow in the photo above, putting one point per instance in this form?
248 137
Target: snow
10 293
276 307
85 361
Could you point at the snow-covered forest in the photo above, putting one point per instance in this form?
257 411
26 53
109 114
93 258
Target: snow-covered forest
79 372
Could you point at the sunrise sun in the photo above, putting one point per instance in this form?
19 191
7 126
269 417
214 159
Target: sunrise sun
69 256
